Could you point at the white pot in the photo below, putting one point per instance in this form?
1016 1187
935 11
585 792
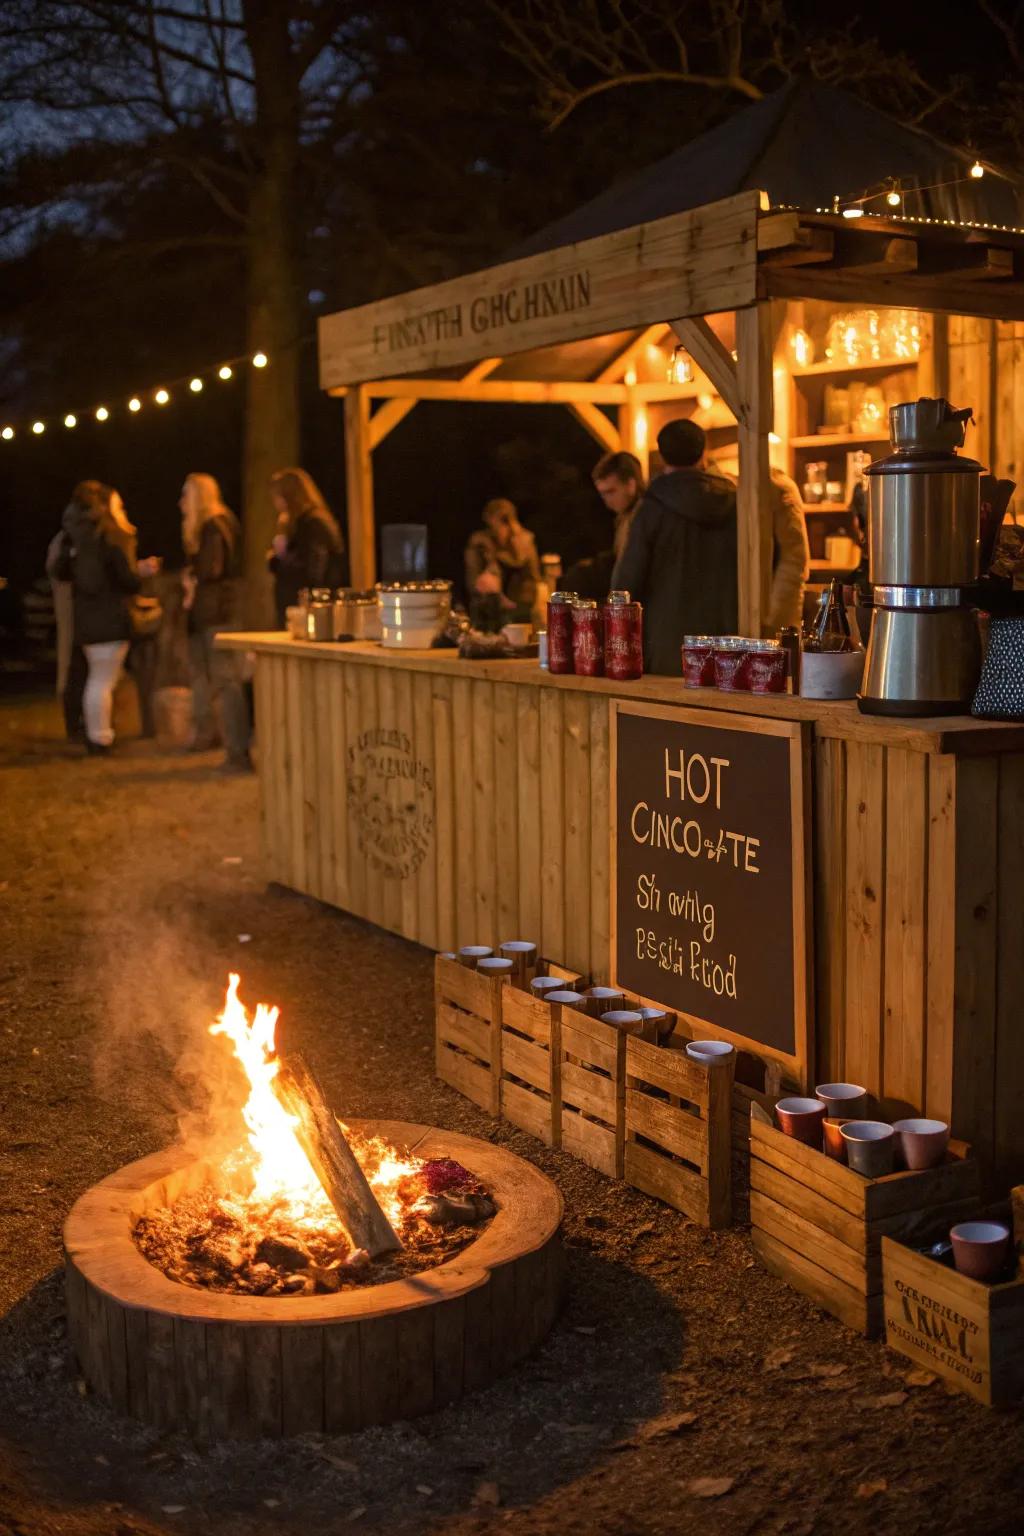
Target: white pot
412 616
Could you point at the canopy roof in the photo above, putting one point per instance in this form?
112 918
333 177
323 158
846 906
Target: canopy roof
805 144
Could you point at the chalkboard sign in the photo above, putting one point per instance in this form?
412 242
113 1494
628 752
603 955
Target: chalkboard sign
710 870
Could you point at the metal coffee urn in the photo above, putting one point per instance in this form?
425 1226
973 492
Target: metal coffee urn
924 651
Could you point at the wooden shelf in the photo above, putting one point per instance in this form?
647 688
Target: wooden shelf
826 506
839 439
878 366
830 565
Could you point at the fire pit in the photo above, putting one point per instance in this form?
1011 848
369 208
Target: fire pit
347 1346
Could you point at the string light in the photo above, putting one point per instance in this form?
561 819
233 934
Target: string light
259 360
977 170
853 213
38 427
195 385
894 199
135 404
71 420
224 372
161 397
680 369
102 413
7 434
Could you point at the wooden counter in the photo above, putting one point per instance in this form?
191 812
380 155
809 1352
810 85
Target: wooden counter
917 849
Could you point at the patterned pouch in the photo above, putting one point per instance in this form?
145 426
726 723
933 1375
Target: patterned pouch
1000 692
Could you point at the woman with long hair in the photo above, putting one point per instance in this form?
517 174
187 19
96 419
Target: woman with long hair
98 558
308 549
212 537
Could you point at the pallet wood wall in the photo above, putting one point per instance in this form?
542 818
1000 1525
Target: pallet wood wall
917 851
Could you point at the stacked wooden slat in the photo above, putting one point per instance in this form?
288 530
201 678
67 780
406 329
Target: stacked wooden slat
678 1130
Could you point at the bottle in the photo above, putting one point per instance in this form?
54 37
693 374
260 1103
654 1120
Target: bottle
789 639
831 628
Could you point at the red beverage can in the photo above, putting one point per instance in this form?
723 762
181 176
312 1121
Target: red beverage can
560 632
698 661
587 639
623 638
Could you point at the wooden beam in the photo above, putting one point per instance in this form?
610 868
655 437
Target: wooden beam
753 508
615 370
792 244
598 425
705 348
971 263
952 295
393 411
877 254
362 554
501 391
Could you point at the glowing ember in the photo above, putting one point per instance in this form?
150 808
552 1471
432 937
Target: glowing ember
282 1177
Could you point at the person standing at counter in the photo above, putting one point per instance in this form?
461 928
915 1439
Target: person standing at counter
308 549
792 554
680 555
501 561
619 481
212 537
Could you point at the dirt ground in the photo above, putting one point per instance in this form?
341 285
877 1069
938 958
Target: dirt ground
128 888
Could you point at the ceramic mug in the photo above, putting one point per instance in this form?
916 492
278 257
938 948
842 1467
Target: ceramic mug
801 1119
843 1101
470 955
921 1143
870 1147
598 1001
835 1146
628 1020
708 1052
980 1248
518 635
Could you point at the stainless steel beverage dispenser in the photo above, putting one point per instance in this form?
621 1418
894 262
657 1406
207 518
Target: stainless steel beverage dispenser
924 651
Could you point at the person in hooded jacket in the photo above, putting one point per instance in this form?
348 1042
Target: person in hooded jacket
308 549
212 538
680 555
97 556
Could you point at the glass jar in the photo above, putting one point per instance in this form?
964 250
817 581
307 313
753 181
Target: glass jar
765 667
730 659
623 638
587 639
320 614
698 661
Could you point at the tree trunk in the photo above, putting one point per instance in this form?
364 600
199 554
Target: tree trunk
275 310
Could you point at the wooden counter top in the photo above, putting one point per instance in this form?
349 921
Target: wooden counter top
957 734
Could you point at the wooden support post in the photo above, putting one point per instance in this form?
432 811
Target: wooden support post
362 553
333 1160
753 510
708 352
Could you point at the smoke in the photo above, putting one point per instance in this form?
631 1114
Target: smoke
157 998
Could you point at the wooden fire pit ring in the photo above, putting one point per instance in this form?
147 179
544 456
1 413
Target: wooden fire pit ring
220 1365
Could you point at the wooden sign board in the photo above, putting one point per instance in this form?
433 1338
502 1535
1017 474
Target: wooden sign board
710 914
691 263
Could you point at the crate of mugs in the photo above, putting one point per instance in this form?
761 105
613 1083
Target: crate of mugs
678 1114
591 1067
958 1310
529 1064
467 1030
825 1188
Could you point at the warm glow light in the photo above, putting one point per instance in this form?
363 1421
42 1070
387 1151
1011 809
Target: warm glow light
195 385
977 170
135 404
224 372
773 437
640 431
38 427
680 369
705 401
7 434
259 360
853 213
629 377
894 199
102 413
802 348
161 397
71 420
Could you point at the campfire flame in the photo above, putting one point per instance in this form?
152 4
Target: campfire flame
281 1173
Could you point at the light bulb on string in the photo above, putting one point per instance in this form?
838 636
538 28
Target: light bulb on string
102 413
195 385
224 372
977 170
135 404
259 360
7 434
680 369
38 427
894 198
161 397
71 420
853 213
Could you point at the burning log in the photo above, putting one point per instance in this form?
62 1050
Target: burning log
333 1160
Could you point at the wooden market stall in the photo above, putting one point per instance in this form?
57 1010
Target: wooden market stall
458 802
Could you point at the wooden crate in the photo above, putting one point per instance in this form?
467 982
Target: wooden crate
530 1062
678 1124
467 1042
970 1334
819 1225
592 1089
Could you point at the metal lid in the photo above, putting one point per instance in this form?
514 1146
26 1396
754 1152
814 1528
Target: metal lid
730 643
699 639
763 645
563 598
351 595
925 461
585 602
321 595
615 598
414 586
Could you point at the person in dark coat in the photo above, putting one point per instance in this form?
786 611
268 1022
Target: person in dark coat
212 537
680 556
97 556
308 549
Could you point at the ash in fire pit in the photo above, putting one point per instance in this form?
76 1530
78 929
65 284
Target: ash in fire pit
227 1243
303 1207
